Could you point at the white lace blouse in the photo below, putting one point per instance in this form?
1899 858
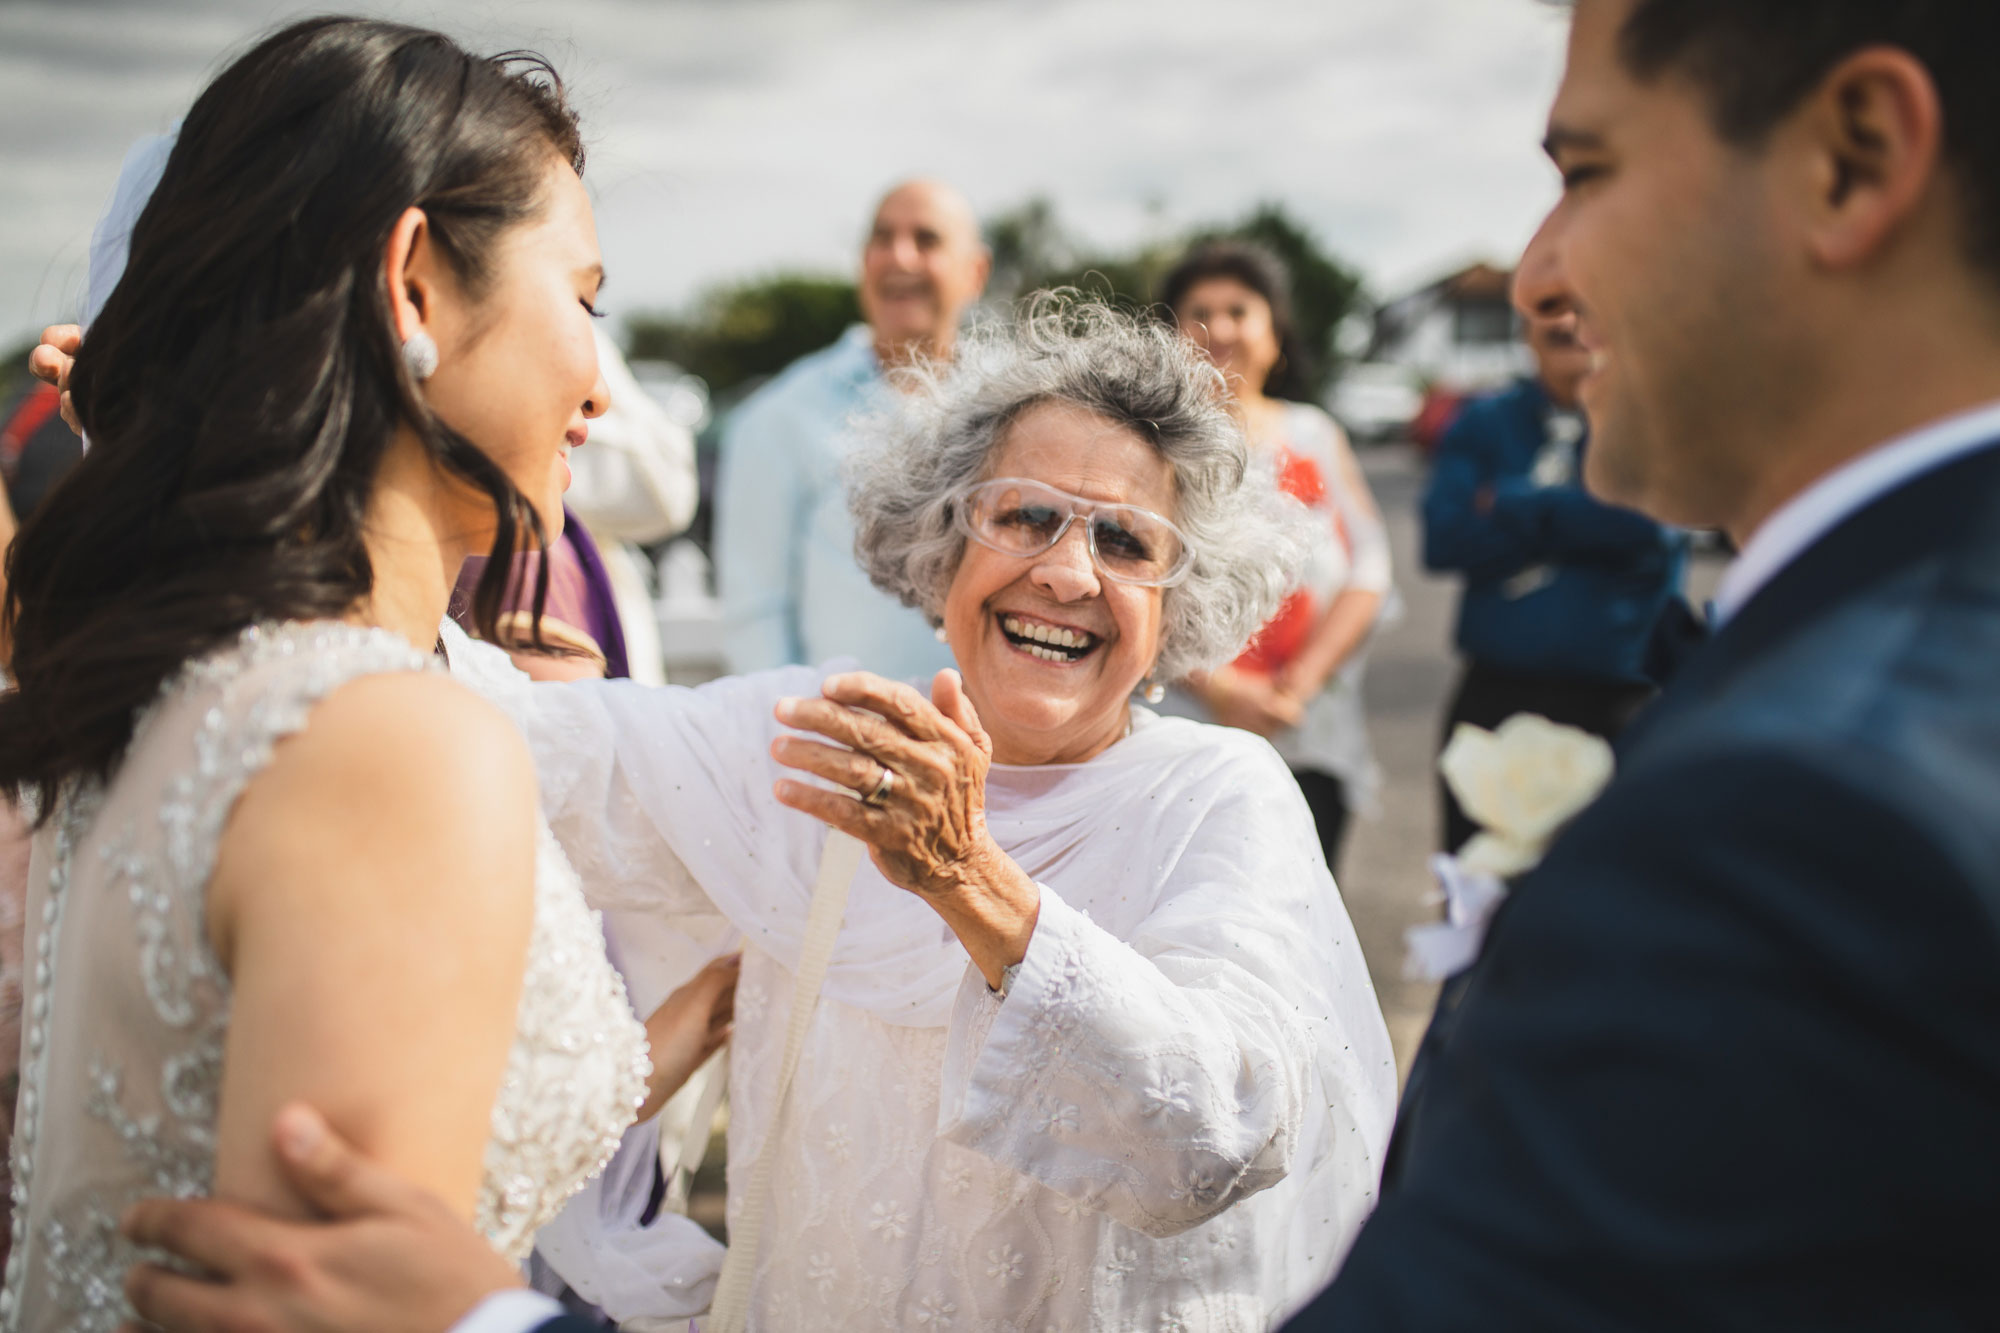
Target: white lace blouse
128 1008
1174 1121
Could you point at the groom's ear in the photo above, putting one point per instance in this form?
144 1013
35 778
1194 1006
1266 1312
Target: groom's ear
1871 139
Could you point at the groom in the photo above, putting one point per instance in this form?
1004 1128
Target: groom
1731 1059
1731 1056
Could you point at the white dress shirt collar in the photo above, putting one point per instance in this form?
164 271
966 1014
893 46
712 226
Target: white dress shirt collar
1808 516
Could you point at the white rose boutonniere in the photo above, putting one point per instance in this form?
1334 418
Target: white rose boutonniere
1520 784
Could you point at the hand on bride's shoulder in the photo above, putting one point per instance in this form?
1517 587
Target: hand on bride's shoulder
372 902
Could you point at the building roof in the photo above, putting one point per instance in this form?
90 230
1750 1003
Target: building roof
1480 282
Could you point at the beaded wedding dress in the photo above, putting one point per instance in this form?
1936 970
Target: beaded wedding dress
127 1007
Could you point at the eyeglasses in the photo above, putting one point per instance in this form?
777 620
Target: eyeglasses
1018 517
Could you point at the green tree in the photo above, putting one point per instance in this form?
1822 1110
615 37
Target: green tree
1028 243
1032 251
739 332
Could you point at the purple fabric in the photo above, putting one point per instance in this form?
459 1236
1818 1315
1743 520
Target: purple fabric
600 608
579 593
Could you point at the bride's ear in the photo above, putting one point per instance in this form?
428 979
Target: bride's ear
408 270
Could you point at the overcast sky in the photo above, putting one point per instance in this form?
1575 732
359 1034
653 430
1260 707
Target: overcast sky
734 137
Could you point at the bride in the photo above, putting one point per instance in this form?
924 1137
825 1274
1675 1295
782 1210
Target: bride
279 853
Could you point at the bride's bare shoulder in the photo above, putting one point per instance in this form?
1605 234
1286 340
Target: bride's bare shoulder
398 781
432 726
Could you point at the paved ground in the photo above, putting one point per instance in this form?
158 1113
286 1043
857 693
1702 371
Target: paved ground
1410 668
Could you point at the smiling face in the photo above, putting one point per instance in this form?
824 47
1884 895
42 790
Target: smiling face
1664 253
517 363
922 266
1050 649
1233 324
1561 360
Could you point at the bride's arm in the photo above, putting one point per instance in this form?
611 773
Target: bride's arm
371 902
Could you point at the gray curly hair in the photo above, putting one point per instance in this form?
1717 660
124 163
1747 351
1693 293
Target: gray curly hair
920 455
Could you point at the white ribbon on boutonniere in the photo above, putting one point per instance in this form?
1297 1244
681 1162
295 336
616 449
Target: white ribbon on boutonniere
1520 784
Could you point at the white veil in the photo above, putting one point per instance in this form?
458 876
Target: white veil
111 239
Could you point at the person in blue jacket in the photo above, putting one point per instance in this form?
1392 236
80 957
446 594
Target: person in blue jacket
1562 591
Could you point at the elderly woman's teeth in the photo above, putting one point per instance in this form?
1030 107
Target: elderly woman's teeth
1051 643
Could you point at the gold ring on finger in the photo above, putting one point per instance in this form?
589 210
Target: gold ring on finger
883 786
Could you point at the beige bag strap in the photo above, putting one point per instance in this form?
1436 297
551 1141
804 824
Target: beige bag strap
731 1311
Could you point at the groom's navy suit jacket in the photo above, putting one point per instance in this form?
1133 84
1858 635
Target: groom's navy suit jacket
1731 1056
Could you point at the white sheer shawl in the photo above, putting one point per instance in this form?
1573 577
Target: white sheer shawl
1196 1009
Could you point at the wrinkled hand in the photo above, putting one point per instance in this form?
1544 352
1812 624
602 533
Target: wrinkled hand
52 362
390 1258
930 828
1250 702
690 1027
928 832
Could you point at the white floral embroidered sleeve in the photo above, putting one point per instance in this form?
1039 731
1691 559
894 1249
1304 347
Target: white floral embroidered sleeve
1158 1089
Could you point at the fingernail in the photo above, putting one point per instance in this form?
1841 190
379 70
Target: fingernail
832 683
126 1220
787 709
298 1133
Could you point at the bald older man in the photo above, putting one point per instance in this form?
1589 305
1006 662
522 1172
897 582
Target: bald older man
791 590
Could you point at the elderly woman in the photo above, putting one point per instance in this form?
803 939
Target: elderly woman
1096 1047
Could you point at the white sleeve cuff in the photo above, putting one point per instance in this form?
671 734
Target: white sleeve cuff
1000 1051
516 1310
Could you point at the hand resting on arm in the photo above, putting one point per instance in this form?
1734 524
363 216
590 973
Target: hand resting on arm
388 1258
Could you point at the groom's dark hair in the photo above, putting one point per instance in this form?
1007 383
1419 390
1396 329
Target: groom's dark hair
1757 59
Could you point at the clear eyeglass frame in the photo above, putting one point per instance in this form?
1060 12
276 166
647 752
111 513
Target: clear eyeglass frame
966 502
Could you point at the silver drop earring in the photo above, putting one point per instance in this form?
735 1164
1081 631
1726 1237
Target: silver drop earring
420 354
942 637
1154 691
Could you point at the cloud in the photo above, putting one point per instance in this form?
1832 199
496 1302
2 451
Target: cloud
739 136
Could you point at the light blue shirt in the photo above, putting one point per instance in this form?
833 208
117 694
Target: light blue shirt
791 590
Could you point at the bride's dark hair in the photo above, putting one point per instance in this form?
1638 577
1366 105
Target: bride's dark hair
243 380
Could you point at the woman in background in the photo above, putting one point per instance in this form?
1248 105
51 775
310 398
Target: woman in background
1298 684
